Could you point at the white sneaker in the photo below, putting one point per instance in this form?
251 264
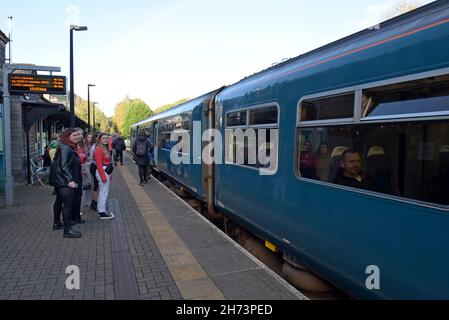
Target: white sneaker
106 215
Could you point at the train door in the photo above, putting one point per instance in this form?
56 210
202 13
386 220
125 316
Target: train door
156 144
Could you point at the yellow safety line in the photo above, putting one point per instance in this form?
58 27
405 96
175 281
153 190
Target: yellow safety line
191 279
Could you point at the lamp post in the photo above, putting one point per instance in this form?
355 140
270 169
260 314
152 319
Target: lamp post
72 86
88 105
93 104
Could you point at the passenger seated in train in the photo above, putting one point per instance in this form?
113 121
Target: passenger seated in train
307 166
334 165
323 161
350 173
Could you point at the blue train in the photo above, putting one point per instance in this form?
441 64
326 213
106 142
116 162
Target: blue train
358 191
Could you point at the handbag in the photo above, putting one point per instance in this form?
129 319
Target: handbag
109 169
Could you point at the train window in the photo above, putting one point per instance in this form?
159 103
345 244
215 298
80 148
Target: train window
419 96
335 107
263 116
253 147
236 119
407 159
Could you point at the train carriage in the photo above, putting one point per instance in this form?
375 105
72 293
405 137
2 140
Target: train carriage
381 96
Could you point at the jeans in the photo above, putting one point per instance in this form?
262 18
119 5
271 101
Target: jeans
103 193
76 206
66 197
118 156
143 172
57 208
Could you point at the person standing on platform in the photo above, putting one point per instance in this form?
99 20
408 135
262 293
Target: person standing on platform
104 170
119 146
140 151
110 148
65 176
82 154
93 172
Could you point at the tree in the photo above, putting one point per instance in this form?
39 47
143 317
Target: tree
119 113
402 7
169 106
138 110
102 122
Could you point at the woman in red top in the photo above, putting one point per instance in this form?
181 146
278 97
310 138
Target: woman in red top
103 160
78 196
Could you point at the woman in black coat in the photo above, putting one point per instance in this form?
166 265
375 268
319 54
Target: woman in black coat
140 150
66 177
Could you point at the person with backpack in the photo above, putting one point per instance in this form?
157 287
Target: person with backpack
140 151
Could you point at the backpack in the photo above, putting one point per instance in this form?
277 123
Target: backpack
141 149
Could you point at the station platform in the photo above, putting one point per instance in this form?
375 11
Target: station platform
157 248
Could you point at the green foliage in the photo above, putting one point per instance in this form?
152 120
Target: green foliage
119 113
136 111
169 106
102 122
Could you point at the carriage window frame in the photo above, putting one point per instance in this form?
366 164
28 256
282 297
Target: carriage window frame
359 120
259 126
172 119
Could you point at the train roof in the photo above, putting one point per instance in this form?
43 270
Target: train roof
181 108
421 18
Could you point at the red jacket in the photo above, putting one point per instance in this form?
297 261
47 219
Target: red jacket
82 155
101 159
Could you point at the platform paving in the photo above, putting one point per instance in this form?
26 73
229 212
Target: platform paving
157 248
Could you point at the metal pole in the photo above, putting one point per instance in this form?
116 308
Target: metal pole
93 110
88 108
9 179
41 135
10 39
72 86
28 158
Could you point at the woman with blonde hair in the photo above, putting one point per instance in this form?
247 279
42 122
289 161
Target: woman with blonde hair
103 174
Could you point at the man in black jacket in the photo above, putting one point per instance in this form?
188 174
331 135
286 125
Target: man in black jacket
350 173
119 146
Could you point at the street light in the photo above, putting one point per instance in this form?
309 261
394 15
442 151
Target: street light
88 105
72 86
93 104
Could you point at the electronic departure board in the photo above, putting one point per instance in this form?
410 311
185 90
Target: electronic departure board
31 83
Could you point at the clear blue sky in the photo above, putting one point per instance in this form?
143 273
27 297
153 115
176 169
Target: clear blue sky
162 51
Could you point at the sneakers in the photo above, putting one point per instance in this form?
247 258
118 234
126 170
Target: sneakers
141 184
106 215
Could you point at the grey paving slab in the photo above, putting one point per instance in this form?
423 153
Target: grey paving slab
236 274
33 258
